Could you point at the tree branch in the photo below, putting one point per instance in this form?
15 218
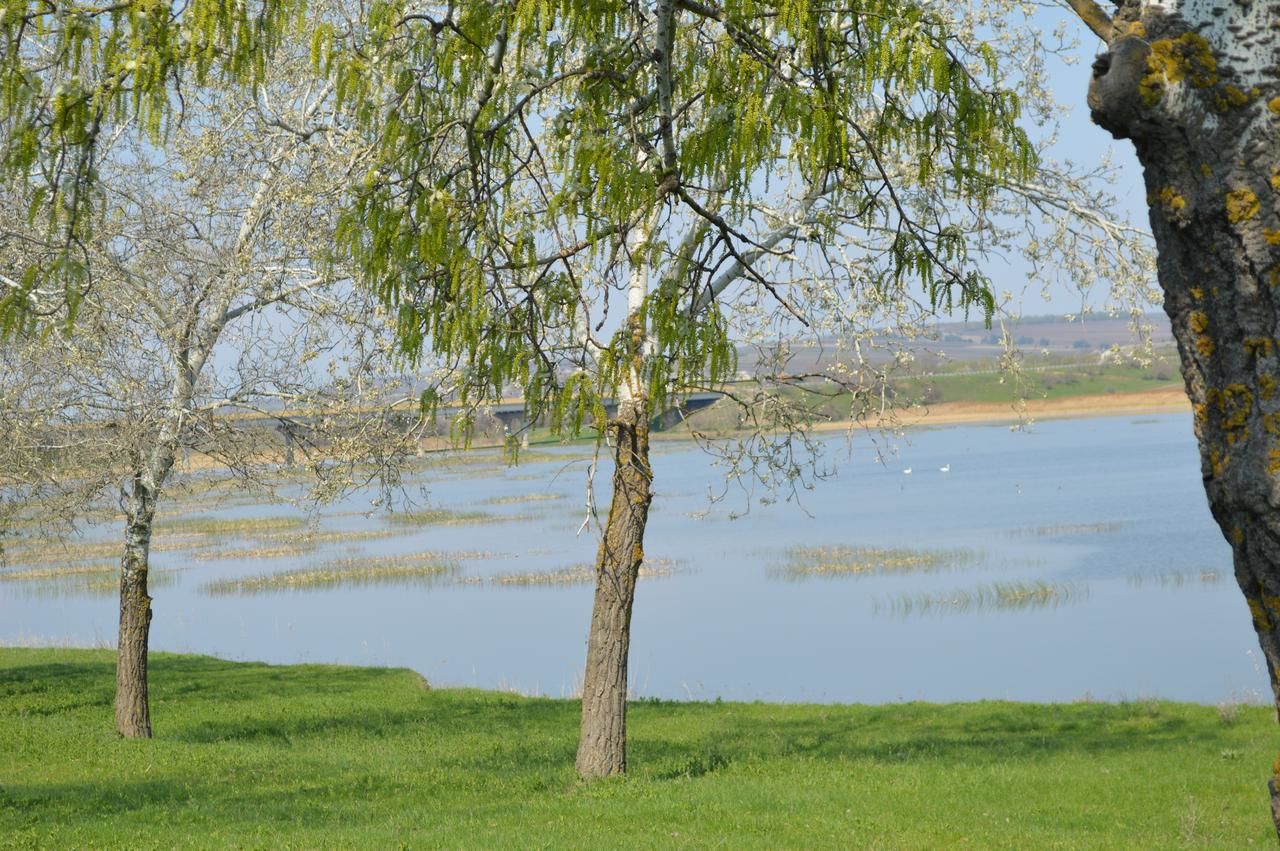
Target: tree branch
1093 16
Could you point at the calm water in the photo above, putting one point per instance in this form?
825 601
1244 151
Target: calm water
1109 511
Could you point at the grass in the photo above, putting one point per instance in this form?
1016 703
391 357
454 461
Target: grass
523 498
248 755
1068 530
233 527
813 562
414 569
82 582
996 596
444 517
1178 578
578 574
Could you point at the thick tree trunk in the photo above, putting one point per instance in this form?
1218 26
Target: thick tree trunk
133 710
602 748
1193 85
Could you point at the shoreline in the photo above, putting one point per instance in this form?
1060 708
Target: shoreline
1168 400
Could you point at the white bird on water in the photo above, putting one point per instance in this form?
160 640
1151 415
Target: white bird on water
945 469
906 472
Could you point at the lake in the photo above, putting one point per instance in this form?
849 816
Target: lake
1075 561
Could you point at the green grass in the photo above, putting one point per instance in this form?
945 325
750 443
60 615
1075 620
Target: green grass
253 756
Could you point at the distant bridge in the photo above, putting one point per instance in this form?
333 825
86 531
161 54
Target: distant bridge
512 416
515 418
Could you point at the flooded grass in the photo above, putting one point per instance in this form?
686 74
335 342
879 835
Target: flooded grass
523 498
1067 530
1178 578
268 551
96 584
842 561
32 554
240 527
444 517
419 569
27 574
997 596
578 574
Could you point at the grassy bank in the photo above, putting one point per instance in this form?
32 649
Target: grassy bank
248 755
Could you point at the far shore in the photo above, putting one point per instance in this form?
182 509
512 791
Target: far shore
1171 399
1166 400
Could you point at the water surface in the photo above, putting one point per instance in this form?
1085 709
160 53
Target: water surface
1104 519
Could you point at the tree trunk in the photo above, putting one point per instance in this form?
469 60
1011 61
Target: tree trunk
1193 86
602 748
133 710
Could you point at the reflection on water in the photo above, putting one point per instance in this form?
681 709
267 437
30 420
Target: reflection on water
1083 554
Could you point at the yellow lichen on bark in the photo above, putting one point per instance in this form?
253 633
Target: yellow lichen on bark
1267 387
1242 205
1271 236
1262 622
1231 98
1258 346
1172 60
1171 200
1218 462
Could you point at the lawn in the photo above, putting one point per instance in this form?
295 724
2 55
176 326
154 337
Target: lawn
249 755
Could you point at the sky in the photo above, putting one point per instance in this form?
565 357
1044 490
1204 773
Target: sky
1083 142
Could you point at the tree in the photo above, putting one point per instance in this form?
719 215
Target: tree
208 298
1194 87
719 167
729 170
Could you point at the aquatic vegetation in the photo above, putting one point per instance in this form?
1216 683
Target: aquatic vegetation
108 568
519 498
32 553
243 527
418 569
1065 530
444 517
996 596
1177 578
99 583
810 562
269 551
578 574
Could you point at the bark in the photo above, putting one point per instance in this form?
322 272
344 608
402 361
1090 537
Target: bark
1193 84
133 709
602 747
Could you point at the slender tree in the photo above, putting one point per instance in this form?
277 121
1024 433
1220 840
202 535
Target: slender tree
713 166
207 298
1193 85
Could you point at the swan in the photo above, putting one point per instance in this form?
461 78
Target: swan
945 469
906 472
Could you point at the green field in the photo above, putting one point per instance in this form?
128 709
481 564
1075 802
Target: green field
248 755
